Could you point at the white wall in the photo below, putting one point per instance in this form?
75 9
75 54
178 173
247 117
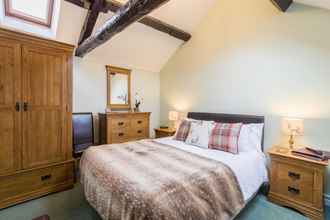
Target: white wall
247 57
90 88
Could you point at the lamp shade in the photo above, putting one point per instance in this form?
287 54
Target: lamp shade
293 126
173 116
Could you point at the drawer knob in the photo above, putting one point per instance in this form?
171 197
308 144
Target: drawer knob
121 134
46 177
139 132
120 123
293 190
294 176
139 122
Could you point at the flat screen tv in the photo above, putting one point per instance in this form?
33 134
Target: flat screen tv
83 132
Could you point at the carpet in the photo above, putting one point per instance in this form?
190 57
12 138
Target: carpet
71 205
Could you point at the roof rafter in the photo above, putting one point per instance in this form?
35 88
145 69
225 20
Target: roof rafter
90 20
282 5
154 23
129 13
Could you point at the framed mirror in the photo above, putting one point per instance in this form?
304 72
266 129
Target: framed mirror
118 88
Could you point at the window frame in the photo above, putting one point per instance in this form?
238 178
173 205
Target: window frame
10 12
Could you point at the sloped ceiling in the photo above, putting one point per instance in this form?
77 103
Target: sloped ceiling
185 14
316 3
138 46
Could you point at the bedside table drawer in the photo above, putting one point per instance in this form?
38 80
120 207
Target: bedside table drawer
294 182
295 174
295 191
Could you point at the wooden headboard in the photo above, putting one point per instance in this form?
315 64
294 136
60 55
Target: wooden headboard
229 118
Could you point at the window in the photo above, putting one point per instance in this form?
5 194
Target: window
38 17
36 11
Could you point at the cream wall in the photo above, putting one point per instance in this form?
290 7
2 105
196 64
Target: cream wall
134 49
90 88
247 57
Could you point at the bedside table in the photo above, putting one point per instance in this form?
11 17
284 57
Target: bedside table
164 132
297 182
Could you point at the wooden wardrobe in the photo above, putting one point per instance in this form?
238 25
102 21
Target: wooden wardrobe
35 117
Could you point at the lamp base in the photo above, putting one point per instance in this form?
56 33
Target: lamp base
291 142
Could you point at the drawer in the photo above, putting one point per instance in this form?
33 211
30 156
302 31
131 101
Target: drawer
296 192
294 182
295 174
139 133
119 123
120 136
34 180
161 134
139 122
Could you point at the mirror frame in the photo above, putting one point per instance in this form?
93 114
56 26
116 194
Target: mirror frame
119 70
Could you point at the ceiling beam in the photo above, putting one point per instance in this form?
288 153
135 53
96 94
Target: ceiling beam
131 12
90 20
282 5
154 23
165 28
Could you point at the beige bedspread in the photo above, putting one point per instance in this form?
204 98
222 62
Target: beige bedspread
152 181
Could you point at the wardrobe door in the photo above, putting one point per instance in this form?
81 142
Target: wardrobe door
45 98
10 115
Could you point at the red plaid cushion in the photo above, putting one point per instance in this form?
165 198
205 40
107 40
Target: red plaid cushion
225 137
183 131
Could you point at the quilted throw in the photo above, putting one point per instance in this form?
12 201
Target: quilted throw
147 180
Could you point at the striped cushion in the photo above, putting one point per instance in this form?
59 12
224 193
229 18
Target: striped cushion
183 131
225 137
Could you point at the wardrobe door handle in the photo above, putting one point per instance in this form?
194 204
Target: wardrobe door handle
120 123
17 107
139 131
139 122
25 106
121 134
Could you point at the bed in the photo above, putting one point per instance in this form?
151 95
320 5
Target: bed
169 179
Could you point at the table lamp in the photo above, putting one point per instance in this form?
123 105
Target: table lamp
173 116
293 127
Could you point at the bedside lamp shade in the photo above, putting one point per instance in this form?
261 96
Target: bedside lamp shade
293 126
173 116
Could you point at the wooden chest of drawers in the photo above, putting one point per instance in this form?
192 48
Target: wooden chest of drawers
297 182
119 127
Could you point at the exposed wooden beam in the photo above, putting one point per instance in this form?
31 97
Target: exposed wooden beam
90 20
282 5
154 23
165 28
131 12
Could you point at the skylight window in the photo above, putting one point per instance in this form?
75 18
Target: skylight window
37 11
38 17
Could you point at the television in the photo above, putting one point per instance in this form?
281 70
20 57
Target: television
83 132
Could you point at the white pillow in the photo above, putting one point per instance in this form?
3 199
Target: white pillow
250 138
199 133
